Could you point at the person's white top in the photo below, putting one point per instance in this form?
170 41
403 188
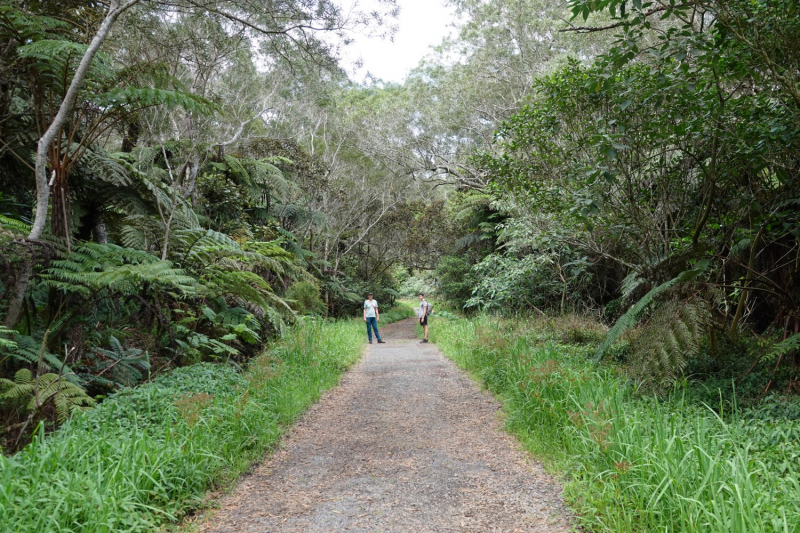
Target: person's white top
422 305
370 306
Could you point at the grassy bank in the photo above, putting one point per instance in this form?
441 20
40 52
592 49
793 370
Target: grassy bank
147 455
633 463
402 309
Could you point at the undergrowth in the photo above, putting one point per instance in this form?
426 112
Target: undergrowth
147 455
400 311
634 462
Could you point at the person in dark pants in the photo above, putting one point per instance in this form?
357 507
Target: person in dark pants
371 317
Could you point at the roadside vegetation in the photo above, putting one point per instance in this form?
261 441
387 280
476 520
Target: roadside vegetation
182 185
146 456
692 460
403 309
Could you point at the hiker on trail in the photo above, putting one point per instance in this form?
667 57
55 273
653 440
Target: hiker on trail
423 315
371 317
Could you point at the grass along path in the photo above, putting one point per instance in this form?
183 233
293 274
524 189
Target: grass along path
146 456
636 464
405 443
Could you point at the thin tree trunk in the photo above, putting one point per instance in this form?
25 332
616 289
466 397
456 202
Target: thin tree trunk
42 187
745 288
20 288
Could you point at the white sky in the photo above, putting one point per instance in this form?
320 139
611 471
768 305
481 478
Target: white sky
421 24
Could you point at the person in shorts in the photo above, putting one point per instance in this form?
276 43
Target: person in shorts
423 315
371 317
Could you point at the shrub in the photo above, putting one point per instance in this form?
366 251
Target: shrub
147 455
635 463
305 298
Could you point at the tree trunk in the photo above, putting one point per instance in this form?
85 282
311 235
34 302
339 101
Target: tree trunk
20 288
131 136
42 187
99 232
59 224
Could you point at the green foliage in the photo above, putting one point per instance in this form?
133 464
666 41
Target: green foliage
631 463
508 284
14 226
632 316
454 281
123 366
37 391
146 456
667 342
93 267
259 177
425 284
7 343
144 97
305 298
783 347
32 351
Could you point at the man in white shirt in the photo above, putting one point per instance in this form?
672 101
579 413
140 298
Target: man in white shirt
371 317
423 315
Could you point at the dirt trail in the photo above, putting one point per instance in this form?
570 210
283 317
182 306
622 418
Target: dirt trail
405 443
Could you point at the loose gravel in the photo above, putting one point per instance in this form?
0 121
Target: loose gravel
406 442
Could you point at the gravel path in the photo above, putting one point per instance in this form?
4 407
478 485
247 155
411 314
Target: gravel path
406 442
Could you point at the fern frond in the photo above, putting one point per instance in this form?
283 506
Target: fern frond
631 317
249 289
785 346
141 97
54 56
27 350
670 338
467 205
92 267
7 343
67 397
13 225
127 365
631 282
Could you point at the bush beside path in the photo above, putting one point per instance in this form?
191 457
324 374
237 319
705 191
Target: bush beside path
147 456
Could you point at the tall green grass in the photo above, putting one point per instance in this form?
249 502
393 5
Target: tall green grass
146 456
632 463
402 309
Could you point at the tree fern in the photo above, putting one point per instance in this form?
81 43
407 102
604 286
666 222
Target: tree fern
204 247
123 366
37 391
26 350
93 267
194 244
142 97
669 339
299 215
631 317
259 177
248 290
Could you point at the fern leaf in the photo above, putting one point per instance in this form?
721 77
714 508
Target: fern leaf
631 317
13 225
670 338
6 343
786 345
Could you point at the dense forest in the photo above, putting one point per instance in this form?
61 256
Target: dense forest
181 182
